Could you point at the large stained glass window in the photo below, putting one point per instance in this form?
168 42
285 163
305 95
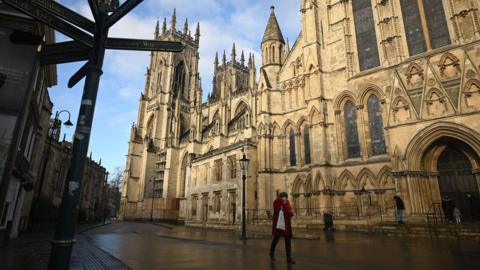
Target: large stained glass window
306 142
365 33
425 25
293 157
351 132
376 125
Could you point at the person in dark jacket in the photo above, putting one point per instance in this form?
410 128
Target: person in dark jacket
282 203
400 207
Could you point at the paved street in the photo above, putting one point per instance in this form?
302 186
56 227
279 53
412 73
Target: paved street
147 246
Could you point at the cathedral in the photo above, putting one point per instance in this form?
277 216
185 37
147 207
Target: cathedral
374 97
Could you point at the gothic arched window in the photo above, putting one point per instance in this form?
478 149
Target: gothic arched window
179 79
435 25
376 125
351 132
365 33
293 157
306 142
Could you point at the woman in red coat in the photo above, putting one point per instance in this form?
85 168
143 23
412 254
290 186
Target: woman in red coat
282 203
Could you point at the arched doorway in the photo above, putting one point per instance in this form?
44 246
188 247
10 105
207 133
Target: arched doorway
457 183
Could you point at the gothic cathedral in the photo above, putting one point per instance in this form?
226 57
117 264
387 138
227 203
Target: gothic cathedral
374 97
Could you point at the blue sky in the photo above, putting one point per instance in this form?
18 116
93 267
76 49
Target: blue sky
222 22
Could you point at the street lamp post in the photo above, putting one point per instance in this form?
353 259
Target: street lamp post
244 166
56 122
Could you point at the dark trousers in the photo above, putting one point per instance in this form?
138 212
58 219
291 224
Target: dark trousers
288 245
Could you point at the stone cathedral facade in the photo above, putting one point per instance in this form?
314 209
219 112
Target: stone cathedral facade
374 97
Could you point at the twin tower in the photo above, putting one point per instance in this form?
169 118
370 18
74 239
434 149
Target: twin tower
175 130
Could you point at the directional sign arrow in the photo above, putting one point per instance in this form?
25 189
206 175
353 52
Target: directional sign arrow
64 52
63 12
143 45
26 7
78 76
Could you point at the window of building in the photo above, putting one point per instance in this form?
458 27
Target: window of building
179 79
218 169
306 141
425 25
376 125
217 202
365 33
293 157
232 166
351 131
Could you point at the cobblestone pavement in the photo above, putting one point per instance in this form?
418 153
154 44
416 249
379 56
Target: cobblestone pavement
32 251
146 246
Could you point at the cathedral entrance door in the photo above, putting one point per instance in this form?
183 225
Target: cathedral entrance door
457 184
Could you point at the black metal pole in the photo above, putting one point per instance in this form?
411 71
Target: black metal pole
244 221
64 235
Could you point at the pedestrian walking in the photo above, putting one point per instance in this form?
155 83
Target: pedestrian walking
281 225
400 207
457 215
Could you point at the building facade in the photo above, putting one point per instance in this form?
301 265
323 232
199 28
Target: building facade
25 109
374 97
56 158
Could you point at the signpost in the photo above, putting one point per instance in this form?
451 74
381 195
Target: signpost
66 21
64 52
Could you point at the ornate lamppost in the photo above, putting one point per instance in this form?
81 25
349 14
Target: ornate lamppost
51 132
244 166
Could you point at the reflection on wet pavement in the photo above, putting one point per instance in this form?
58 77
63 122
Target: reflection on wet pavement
147 246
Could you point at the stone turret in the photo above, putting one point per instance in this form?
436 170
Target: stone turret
273 43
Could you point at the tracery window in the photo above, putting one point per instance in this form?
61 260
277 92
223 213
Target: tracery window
425 25
293 157
179 79
376 125
306 142
365 33
351 131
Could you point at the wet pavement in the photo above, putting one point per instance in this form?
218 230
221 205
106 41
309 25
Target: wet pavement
148 246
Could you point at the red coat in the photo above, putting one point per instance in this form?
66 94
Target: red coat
287 213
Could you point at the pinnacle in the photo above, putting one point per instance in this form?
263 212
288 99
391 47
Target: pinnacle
272 31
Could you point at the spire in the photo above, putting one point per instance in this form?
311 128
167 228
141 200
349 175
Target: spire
253 61
157 29
185 27
173 22
164 26
249 60
216 59
242 59
272 31
234 53
197 33
224 60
